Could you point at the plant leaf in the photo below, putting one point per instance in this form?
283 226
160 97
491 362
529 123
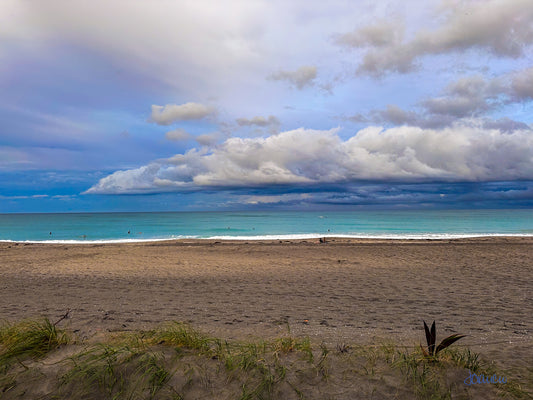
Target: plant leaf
433 338
430 337
448 342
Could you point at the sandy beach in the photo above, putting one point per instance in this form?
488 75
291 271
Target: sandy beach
343 291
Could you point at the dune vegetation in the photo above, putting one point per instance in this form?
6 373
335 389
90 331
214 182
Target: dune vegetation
38 360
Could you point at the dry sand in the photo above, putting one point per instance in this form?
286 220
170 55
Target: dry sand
344 291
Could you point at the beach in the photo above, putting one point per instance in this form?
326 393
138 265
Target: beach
342 291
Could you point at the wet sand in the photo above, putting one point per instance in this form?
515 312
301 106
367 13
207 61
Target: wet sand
343 291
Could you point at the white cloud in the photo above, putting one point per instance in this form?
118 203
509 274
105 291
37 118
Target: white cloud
312 157
35 196
140 180
302 77
170 113
65 197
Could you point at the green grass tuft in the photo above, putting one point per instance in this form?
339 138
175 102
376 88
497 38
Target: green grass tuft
182 336
29 339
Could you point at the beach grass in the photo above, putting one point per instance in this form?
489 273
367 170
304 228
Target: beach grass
176 361
28 339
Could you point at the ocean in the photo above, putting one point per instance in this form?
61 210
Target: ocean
142 226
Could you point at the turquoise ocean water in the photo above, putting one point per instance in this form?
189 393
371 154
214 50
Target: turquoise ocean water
117 227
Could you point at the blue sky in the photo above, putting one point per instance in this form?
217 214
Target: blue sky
206 105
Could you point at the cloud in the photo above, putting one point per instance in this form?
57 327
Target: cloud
504 124
468 96
178 135
275 199
258 121
208 139
261 124
503 27
307 158
467 101
522 85
140 180
23 197
187 46
166 115
384 33
443 195
63 197
301 78
388 195
397 116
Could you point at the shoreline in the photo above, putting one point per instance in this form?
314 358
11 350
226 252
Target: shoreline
274 238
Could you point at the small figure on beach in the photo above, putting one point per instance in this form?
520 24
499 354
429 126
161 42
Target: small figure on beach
322 240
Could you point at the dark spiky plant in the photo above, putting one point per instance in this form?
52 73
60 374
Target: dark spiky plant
431 338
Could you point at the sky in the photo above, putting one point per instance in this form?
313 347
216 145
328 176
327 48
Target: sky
129 105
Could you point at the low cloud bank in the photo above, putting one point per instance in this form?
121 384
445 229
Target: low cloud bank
305 157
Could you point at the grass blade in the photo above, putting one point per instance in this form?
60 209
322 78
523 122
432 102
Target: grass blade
424 352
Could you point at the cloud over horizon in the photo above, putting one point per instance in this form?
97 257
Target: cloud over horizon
305 157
